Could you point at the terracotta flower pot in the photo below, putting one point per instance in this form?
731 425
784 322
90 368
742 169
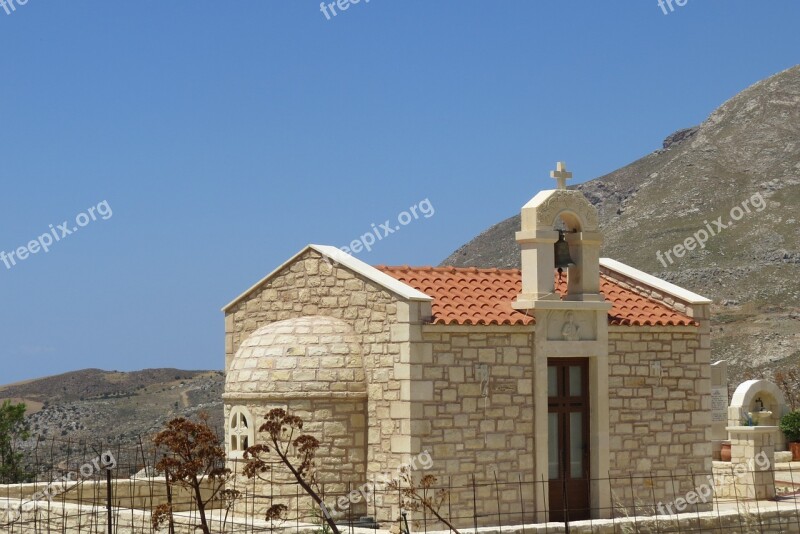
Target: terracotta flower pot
795 448
725 452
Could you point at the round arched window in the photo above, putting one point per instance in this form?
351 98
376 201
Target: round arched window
240 431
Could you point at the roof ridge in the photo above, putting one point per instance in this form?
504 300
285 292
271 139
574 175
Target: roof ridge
448 268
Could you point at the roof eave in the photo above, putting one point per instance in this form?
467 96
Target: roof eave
653 281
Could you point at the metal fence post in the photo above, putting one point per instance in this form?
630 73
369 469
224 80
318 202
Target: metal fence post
474 505
109 497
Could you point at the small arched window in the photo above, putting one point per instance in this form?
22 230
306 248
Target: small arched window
240 431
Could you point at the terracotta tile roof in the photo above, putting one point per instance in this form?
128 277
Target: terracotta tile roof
469 296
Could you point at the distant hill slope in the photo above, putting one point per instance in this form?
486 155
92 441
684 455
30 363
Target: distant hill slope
748 147
114 407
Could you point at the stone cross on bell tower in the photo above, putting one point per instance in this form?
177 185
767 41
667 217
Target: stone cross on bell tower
561 175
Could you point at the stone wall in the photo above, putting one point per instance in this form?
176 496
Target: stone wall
749 519
138 493
311 285
659 403
750 473
75 519
340 426
70 518
479 421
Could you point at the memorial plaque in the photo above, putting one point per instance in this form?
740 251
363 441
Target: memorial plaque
719 404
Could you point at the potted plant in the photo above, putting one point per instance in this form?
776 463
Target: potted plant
790 426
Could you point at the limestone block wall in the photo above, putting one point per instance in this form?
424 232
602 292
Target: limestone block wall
310 285
479 417
83 519
741 481
76 519
750 473
660 411
339 425
71 518
143 493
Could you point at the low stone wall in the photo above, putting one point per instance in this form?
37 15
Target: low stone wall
138 494
740 481
74 519
68 518
774 521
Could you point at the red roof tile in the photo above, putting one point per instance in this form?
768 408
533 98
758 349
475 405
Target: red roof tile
469 296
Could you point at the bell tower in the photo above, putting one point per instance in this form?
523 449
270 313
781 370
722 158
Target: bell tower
541 218
559 238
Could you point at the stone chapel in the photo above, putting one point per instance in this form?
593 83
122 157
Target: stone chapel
564 387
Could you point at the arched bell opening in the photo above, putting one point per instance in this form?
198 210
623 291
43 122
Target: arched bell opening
568 253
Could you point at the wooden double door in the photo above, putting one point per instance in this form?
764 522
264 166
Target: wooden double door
568 439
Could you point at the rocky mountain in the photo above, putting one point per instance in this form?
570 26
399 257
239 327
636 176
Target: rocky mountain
732 182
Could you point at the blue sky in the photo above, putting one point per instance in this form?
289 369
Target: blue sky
226 136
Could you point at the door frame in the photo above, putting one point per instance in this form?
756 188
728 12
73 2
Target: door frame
560 404
600 495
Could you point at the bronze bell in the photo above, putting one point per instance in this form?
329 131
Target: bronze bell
563 259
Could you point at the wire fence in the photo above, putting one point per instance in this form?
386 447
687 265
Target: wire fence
91 488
